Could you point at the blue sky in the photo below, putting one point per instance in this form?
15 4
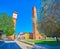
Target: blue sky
24 9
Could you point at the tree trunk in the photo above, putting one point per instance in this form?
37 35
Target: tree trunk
0 37
57 39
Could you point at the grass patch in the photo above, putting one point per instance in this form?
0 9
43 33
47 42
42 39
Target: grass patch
45 42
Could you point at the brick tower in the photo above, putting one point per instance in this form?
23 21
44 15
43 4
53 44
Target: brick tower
14 17
36 34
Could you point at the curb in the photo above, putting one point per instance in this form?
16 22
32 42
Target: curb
28 43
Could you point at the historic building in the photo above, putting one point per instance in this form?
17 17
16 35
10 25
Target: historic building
26 36
31 36
20 36
23 35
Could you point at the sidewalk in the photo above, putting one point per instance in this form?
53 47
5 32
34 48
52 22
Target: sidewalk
24 41
24 45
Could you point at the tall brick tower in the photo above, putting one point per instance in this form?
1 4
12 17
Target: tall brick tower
36 34
14 17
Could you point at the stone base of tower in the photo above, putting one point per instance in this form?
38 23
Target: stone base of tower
11 37
37 36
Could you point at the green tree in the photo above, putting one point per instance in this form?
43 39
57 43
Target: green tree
6 24
49 20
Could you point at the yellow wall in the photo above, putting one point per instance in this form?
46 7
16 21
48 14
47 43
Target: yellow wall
26 36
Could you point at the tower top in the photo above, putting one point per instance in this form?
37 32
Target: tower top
15 12
34 7
15 15
34 12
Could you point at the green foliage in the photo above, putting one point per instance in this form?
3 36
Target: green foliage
46 42
49 22
6 24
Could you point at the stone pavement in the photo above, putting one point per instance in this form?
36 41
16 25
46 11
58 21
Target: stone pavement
24 45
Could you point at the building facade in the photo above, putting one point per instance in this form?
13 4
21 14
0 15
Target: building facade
26 36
